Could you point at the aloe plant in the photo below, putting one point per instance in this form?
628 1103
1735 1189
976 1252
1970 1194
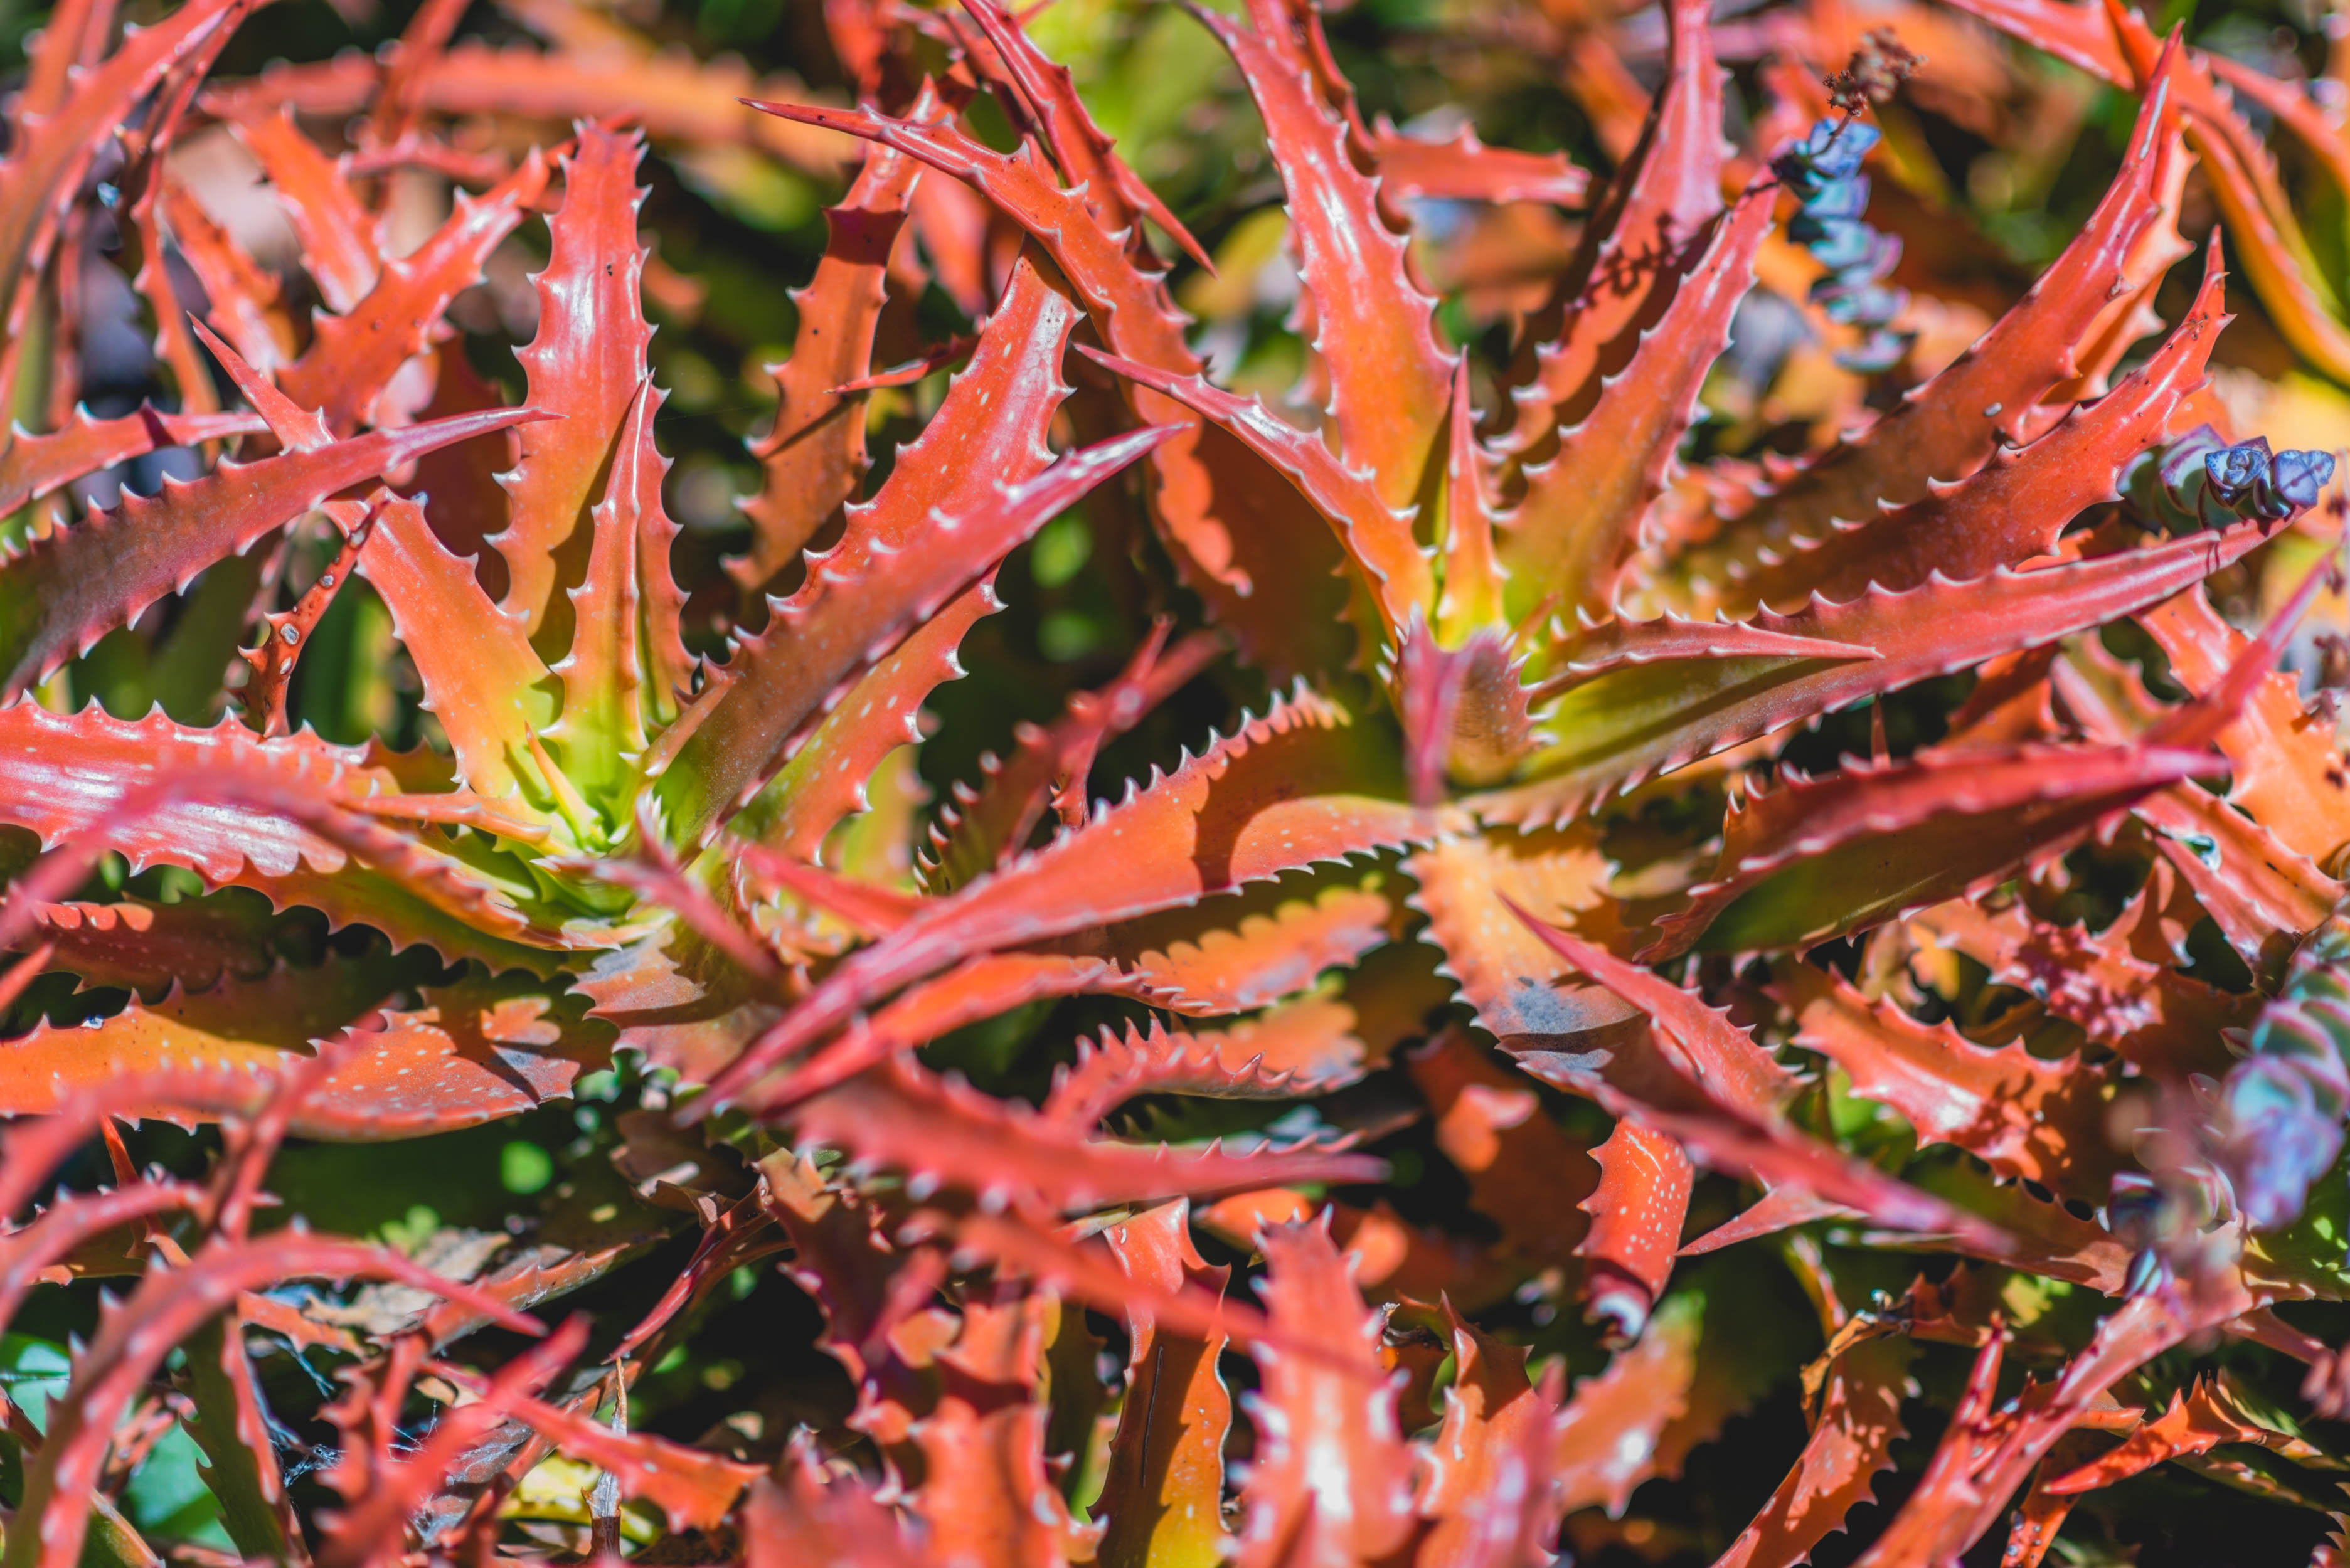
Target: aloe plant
1569 892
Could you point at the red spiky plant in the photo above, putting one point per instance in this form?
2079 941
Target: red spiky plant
1544 872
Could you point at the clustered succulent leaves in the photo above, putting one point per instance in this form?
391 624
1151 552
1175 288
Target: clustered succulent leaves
1291 839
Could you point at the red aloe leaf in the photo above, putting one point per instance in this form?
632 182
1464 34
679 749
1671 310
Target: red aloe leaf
1375 532
1256 803
384 1494
952 222
271 1019
1637 245
1985 1455
921 368
247 302
481 677
677 999
1608 1432
2022 1115
979 987
70 38
693 1488
291 818
2209 1414
840 1258
1632 724
1253 948
2143 1008
986 1498
656 878
823 782
1083 151
1817 858
1616 643
419 48
1397 1259
2109 340
284 634
2080 36
295 427
673 96
2013 510
1465 711
822 1519
1299 1048
628 669
587 364
2287 769
1949 427
132 1341
1068 1268
146 947
232 1427
1580 516
1334 1035
1459 168
354 357
2295 105
2011 701
973 488
737 1237
1162 1490
31 466
1765 1150
1704 1083
1233 535
2242 177
1523 1173
1508 975
1938 1533
1391 382
53 136
1487 1484
603 672
1348 1025
2263 894
62 593
2038 1237
1473 581
531 1275
342 245
1331 1479
2040 1513
942 1135
473 1053
1851 1445
671 671
144 152
463 498
35 1148
72 1221
1695 1039
868 909
815 459
1637 1209
1053 764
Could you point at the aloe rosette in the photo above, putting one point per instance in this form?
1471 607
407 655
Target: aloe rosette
1529 829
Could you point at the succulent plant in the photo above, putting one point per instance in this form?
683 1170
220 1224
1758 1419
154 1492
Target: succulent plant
1569 890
